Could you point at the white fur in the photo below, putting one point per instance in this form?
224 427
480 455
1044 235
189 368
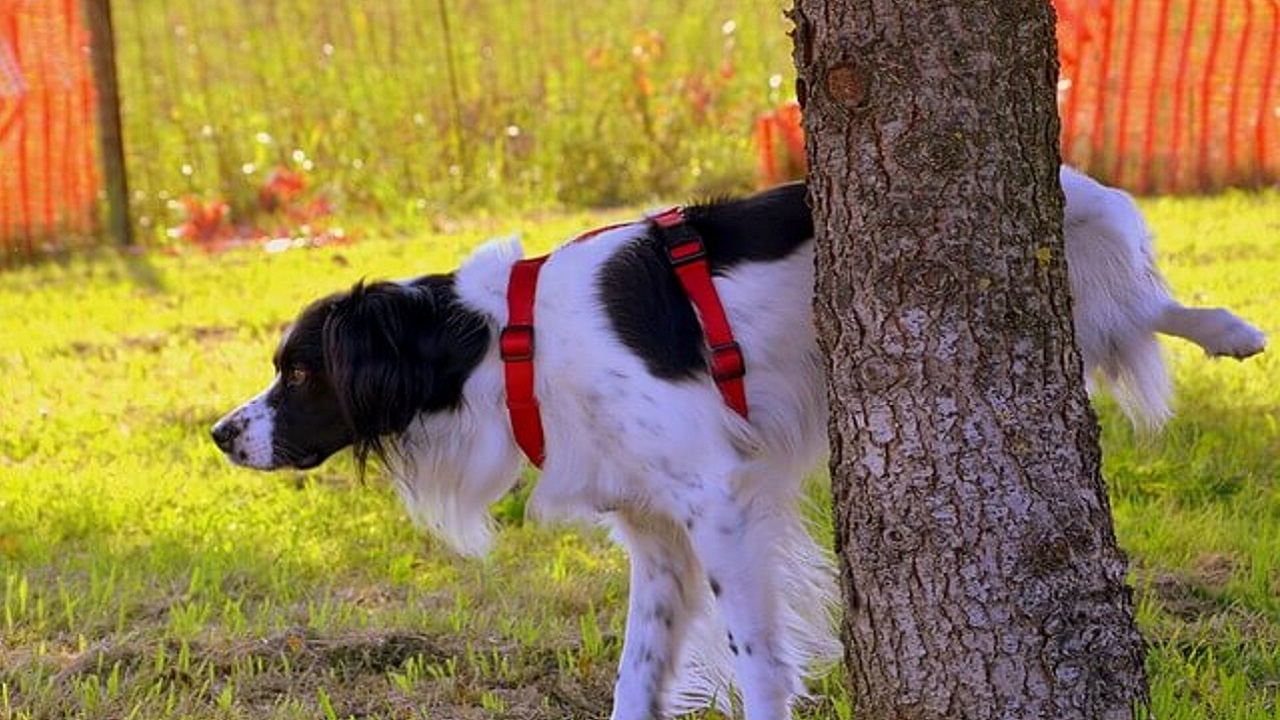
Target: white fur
692 492
731 600
452 467
257 425
1120 301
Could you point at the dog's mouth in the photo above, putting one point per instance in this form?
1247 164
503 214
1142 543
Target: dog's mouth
242 459
306 462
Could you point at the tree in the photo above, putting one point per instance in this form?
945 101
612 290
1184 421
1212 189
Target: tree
980 571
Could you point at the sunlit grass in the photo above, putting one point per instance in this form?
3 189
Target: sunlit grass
142 576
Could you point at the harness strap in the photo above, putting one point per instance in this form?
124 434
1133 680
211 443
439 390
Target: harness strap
688 257
515 344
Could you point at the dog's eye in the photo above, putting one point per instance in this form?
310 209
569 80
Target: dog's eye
296 376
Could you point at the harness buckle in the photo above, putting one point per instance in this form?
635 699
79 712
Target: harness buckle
727 362
515 343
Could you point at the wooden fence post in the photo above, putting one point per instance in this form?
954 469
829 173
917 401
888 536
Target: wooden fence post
110 138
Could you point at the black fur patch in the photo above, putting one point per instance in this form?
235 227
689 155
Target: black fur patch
766 226
308 422
376 356
649 312
644 301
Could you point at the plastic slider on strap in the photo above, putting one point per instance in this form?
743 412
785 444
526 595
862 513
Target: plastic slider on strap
515 343
682 243
727 362
682 251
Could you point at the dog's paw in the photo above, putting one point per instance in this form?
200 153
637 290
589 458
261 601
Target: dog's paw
1236 339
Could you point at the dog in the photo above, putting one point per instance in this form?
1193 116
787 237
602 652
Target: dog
729 593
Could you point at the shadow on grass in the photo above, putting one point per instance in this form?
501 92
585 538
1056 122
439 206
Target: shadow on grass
142 271
137 264
1221 447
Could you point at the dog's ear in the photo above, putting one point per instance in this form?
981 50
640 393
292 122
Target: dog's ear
378 348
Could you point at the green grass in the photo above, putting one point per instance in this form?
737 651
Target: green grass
549 104
141 576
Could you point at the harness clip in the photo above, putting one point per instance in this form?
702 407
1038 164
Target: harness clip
515 343
727 362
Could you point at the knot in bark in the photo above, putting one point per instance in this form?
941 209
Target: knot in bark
878 374
848 85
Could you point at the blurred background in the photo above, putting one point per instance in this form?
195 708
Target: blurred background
243 120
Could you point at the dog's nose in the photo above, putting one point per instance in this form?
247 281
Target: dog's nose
224 435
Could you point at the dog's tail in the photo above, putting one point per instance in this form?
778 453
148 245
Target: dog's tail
1121 302
1135 372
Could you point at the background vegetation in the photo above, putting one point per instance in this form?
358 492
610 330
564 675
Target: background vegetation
411 113
420 111
141 576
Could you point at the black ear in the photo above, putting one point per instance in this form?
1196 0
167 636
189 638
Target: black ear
395 351
376 347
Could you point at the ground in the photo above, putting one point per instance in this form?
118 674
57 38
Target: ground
143 576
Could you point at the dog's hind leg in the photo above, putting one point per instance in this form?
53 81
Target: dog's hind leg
1216 330
666 592
733 539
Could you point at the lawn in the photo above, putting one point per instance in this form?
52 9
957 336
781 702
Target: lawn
141 576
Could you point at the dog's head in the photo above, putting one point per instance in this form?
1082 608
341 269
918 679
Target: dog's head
355 369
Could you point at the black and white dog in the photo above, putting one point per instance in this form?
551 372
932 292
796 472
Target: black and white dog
728 591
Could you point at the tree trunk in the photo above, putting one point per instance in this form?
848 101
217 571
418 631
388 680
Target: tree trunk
979 565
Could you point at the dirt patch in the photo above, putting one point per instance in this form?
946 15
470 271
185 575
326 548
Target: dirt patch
153 342
1193 593
361 674
1179 596
213 333
1202 612
1227 254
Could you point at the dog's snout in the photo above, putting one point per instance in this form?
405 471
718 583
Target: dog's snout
225 434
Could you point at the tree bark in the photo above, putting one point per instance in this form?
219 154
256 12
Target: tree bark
980 570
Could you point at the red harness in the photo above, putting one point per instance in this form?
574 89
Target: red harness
688 257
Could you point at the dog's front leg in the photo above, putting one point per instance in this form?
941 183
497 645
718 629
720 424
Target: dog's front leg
663 598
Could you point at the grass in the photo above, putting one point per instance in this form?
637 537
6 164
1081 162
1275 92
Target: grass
141 576
410 111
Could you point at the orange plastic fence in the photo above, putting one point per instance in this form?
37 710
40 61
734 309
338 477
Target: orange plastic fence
48 177
1171 95
1154 95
